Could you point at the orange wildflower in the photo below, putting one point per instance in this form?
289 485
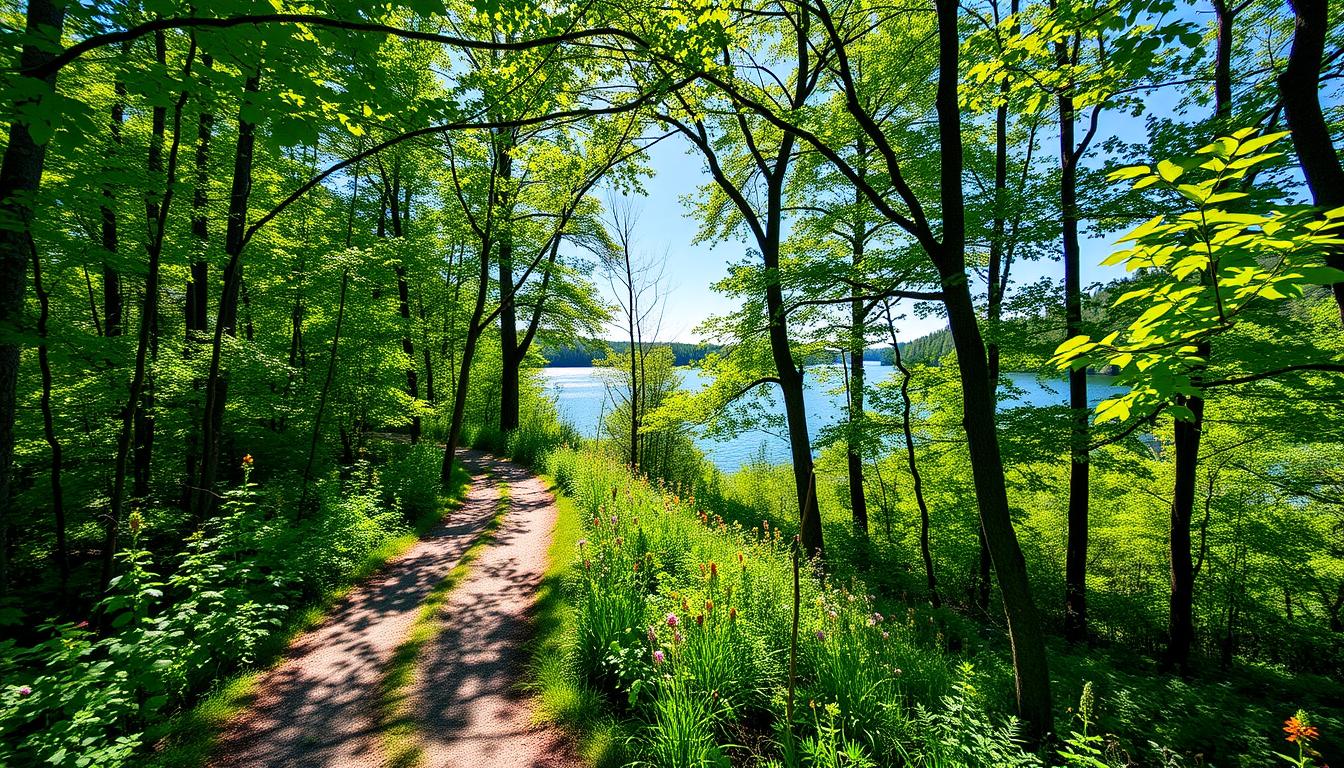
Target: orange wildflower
1299 731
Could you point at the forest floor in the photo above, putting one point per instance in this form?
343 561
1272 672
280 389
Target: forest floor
421 666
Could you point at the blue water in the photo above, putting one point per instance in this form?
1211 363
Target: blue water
582 399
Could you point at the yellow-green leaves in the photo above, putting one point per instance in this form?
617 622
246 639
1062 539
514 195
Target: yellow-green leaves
1200 266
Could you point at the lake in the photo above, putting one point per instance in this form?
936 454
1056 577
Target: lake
582 398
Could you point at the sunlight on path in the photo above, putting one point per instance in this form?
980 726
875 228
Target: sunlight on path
318 708
466 695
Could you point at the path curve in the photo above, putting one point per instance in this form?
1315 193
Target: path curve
319 707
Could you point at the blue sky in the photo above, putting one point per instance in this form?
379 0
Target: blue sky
666 225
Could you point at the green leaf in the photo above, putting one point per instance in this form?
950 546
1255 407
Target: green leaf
1169 171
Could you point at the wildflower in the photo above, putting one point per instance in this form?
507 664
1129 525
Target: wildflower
636 566
613 519
25 691
821 636
676 636
897 671
620 540
700 620
872 622
658 657
587 565
713 570
672 620
709 606
1299 728
732 614
1085 702
583 543
134 521
247 461
653 636
740 558
833 615
886 635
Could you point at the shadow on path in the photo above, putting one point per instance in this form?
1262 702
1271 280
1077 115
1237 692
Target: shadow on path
318 707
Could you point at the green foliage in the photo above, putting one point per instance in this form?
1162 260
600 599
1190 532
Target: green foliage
98 698
683 621
1202 270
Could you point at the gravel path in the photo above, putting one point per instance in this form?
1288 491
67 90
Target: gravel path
318 708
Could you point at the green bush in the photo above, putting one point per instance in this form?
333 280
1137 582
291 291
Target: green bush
83 699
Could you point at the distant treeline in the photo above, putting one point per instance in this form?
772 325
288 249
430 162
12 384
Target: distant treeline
929 348
586 352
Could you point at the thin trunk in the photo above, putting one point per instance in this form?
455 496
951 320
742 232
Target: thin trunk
1180 622
400 216
1024 626
1075 553
322 399
144 414
198 293
62 553
425 348
511 360
464 372
112 298
149 312
226 318
858 319
1300 90
20 176
925 550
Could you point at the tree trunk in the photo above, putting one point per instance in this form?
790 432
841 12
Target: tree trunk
326 391
144 413
62 553
157 216
858 323
510 359
112 299
400 215
925 551
1075 553
464 373
198 293
20 176
1299 87
1180 621
1024 625
226 318
790 375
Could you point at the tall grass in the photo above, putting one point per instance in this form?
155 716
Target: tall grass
683 623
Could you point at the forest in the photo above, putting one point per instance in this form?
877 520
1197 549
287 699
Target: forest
282 480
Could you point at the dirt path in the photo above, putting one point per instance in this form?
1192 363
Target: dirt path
466 697
318 708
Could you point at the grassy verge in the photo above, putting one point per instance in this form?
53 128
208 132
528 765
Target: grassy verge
396 724
185 741
561 700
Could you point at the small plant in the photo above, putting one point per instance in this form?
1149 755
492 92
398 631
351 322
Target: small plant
1299 731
